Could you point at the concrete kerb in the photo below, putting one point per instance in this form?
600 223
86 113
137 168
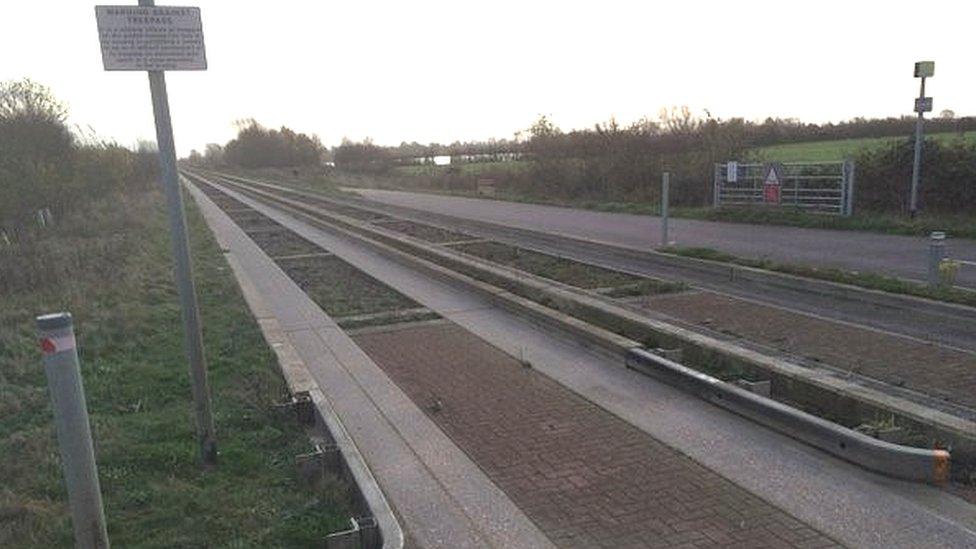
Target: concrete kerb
368 498
894 460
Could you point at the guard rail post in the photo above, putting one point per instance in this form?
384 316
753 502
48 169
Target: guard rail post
665 191
937 252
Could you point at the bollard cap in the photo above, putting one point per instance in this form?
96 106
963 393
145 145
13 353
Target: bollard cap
54 321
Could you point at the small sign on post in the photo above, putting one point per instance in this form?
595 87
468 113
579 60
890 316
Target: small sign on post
732 171
157 39
923 104
924 69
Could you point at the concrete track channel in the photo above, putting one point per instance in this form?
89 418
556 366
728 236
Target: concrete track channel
584 475
897 345
855 402
895 255
945 324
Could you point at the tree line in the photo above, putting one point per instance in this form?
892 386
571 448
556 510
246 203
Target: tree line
258 147
771 131
48 166
616 162
611 161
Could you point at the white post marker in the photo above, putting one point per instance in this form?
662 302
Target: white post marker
59 352
157 39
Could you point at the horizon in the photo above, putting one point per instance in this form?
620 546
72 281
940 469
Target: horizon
440 73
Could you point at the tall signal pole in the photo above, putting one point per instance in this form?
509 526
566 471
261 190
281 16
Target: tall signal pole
923 70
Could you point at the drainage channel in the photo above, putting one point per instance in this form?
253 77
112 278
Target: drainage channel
584 476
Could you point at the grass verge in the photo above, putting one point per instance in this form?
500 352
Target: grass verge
956 225
110 265
864 280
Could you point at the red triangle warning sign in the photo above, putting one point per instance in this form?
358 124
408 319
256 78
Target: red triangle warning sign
773 176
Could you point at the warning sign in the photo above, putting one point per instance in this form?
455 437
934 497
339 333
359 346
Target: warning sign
143 38
773 183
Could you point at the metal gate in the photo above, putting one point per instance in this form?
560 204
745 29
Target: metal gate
823 187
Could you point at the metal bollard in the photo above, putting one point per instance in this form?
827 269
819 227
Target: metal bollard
60 356
665 188
937 252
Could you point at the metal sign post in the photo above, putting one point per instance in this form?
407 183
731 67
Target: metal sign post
923 70
665 191
156 39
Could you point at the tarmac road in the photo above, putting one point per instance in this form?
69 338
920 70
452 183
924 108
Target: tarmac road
893 255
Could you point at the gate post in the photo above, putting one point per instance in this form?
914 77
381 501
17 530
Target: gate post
937 252
665 198
848 194
716 189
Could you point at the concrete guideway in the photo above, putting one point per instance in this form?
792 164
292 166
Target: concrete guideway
441 497
917 319
893 255
945 427
849 504
943 323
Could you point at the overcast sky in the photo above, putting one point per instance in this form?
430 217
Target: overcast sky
445 71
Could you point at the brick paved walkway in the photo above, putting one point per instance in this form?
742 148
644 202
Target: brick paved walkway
586 477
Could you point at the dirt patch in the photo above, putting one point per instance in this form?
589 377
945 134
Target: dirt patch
927 368
222 200
425 232
253 220
341 289
568 271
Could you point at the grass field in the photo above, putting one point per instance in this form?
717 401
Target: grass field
110 265
823 151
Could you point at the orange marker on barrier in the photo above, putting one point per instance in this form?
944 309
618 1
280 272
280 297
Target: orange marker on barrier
941 467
